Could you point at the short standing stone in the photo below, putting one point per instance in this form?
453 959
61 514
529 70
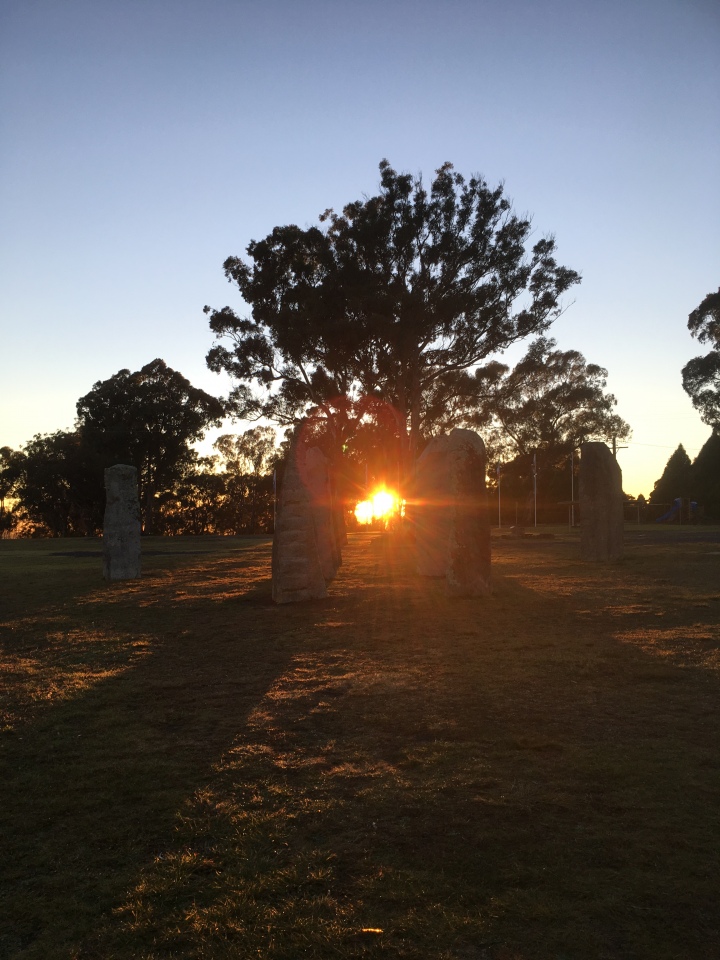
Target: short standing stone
468 558
121 526
296 569
601 504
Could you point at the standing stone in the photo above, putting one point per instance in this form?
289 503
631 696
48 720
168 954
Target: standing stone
468 566
121 525
296 569
317 481
601 504
450 511
430 509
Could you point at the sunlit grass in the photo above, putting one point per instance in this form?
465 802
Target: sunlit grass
191 771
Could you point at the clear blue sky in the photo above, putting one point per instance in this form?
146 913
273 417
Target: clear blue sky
144 141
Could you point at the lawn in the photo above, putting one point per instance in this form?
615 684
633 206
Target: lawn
189 771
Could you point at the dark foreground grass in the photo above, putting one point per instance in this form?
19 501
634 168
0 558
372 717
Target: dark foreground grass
191 772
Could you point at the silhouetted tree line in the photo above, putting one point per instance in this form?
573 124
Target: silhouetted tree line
697 480
54 485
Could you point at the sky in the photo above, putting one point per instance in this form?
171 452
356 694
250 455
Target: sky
142 142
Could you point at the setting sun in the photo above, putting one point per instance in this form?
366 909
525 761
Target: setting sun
380 506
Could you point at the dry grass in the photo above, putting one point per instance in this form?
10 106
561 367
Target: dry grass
192 772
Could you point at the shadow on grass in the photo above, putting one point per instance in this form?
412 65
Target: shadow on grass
384 773
125 703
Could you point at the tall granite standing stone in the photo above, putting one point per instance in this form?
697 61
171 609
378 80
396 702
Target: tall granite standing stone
317 481
430 509
601 504
468 567
452 524
296 567
121 525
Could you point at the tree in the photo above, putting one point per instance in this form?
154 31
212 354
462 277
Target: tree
148 419
706 477
399 292
676 481
8 459
58 483
532 416
701 375
549 403
248 457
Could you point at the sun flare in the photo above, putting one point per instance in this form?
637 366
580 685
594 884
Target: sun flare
381 506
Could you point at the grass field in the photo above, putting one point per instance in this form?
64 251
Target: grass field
189 771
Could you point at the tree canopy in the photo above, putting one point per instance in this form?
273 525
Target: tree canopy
58 483
549 403
383 301
148 419
706 477
701 375
54 484
677 479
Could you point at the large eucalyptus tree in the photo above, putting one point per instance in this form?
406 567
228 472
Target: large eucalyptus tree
384 301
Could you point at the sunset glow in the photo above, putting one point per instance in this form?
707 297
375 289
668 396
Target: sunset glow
380 506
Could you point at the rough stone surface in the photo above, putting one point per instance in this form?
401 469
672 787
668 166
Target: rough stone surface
317 481
601 505
296 568
430 510
468 563
450 513
121 525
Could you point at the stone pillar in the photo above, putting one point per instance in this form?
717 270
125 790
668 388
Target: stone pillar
468 565
121 525
431 508
296 569
450 510
601 504
317 481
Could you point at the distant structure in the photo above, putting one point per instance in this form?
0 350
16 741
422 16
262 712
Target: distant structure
306 546
121 525
452 523
601 504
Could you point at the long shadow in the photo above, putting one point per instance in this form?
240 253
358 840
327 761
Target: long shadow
91 785
476 779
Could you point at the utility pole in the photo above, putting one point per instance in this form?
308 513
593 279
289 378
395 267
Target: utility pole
616 447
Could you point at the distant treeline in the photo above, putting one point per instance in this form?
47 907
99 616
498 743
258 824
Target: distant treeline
54 485
697 480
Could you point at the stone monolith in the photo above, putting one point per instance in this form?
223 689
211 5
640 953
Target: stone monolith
468 562
601 504
450 513
317 481
296 568
121 525
430 509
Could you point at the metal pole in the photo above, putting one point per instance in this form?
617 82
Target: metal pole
499 514
572 487
535 484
